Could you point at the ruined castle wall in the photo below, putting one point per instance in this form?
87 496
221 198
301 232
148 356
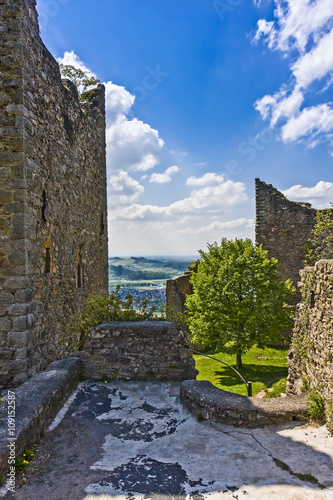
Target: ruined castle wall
311 355
177 289
53 197
137 350
176 292
283 227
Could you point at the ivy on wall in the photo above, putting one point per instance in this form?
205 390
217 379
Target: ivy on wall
312 344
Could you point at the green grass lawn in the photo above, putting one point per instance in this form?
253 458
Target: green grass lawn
265 368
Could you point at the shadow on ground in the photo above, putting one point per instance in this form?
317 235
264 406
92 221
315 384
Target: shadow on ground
256 373
135 440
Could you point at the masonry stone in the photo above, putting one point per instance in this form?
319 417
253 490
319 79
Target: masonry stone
283 228
18 339
142 350
53 253
311 354
177 290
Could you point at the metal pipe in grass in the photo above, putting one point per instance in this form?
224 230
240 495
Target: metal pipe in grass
247 384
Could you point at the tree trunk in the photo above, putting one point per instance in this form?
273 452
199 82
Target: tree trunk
239 361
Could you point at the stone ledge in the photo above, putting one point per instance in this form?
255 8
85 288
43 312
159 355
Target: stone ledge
38 400
203 398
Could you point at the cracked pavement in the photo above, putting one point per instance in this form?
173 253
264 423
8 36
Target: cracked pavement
135 441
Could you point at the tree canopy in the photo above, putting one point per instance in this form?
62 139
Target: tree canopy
238 298
82 80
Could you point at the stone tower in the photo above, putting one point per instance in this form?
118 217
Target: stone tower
283 227
53 227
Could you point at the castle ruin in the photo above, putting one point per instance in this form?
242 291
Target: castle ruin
283 228
53 206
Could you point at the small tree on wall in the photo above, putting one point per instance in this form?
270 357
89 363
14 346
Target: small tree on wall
82 80
320 246
238 299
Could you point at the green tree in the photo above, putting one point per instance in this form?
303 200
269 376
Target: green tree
82 80
320 246
238 298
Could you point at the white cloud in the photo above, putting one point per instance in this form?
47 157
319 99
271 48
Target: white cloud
311 122
205 180
164 178
315 64
179 153
118 101
264 28
206 201
306 27
217 225
280 105
71 59
167 237
123 189
297 21
201 164
131 143
319 196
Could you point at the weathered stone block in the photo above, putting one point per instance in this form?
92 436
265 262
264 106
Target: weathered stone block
5 324
6 354
17 259
20 323
6 299
16 283
18 366
18 339
21 353
17 309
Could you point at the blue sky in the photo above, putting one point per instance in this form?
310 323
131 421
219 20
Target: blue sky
202 97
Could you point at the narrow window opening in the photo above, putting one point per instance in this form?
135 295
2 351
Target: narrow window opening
47 261
102 223
79 276
79 273
44 206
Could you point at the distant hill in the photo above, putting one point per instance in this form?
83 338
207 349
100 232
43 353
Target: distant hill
140 268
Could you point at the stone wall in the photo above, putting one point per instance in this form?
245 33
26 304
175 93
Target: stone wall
142 350
283 227
53 197
311 356
177 290
211 403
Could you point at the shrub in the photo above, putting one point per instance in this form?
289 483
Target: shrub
98 310
316 407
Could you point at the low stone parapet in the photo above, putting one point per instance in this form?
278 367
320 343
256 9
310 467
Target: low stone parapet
138 350
32 407
207 401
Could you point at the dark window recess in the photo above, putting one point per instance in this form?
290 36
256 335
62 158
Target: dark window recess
44 206
102 223
79 275
47 261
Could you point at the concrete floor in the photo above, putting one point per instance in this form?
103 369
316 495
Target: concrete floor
122 441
